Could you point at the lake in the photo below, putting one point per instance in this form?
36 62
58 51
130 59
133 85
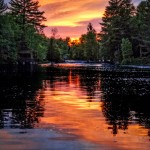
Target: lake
75 107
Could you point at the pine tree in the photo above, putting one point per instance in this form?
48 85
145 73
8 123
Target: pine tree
91 44
27 13
3 6
143 28
53 54
8 37
126 48
116 25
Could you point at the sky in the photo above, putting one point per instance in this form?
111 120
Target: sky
71 17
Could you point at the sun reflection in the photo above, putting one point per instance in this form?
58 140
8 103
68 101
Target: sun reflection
75 107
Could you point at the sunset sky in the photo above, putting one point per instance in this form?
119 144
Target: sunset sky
71 17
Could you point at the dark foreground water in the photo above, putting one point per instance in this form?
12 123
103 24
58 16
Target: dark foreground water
75 108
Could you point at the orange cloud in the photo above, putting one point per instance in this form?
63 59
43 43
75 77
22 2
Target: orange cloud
70 12
71 17
68 15
74 31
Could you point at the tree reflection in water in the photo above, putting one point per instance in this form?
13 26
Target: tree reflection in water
126 102
19 107
124 98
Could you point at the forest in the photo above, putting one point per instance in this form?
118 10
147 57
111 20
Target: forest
123 36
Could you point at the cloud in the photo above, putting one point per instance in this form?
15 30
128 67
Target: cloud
67 31
70 12
72 16
74 31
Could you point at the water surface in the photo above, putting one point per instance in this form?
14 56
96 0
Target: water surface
75 107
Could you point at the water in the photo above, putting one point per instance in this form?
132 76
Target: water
75 108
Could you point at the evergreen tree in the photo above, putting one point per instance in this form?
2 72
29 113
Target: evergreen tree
53 53
127 53
116 26
143 28
37 43
63 47
3 6
91 44
9 33
27 13
87 47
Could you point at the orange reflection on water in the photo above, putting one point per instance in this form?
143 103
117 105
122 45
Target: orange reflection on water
69 109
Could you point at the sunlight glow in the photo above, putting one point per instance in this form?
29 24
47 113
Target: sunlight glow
66 13
71 109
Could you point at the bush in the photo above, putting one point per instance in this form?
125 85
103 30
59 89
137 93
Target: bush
136 61
127 61
141 61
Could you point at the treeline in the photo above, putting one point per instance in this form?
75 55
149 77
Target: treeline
21 28
125 33
87 48
21 31
124 37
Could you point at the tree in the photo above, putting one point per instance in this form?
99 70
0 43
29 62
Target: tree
54 32
37 43
53 53
9 33
91 44
3 41
90 28
126 48
63 46
87 47
3 6
143 28
116 25
27 15
67 50
103 53
77 50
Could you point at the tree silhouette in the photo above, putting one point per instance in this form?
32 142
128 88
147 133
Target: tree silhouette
143 28
115 25
27 15
3 6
